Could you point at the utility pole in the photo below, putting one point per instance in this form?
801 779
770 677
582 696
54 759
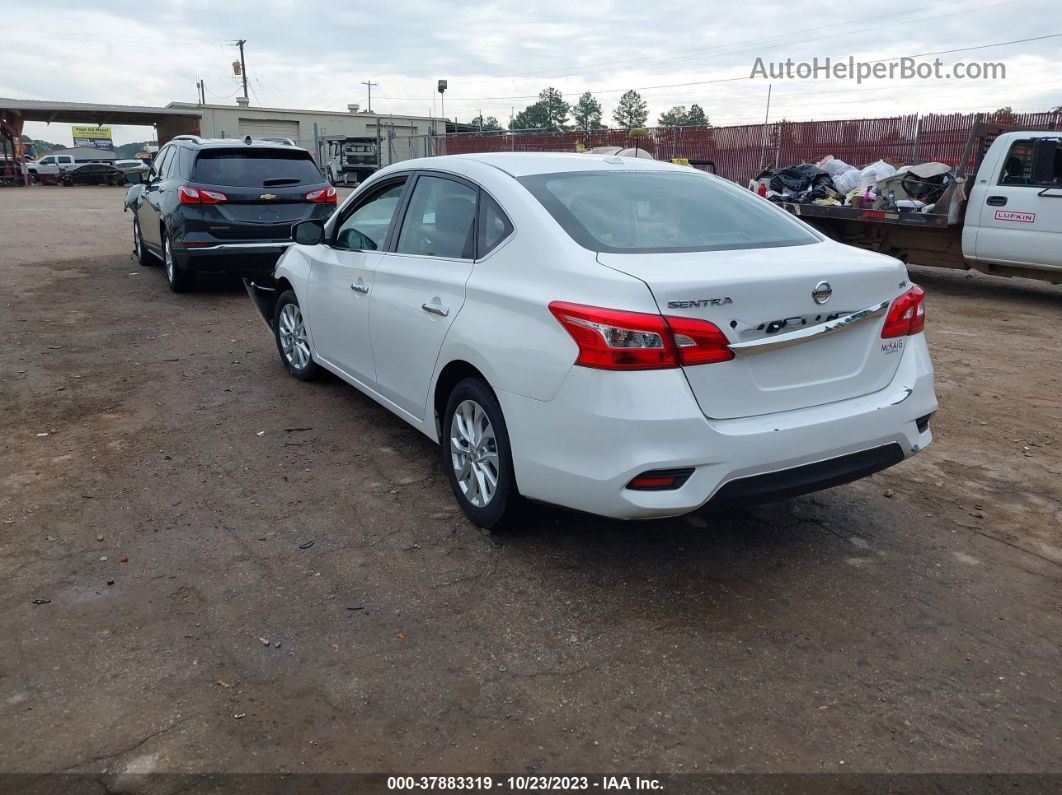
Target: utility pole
766 116
369 84
243 66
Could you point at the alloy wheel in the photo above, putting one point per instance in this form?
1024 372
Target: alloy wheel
474 453
293 340
136 239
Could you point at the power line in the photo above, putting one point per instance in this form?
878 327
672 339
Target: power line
738 79
762 43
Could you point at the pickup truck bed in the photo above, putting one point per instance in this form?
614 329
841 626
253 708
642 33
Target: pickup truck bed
933 239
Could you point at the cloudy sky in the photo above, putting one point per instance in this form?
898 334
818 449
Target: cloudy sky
498 54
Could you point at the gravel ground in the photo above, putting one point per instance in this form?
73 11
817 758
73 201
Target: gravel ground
162 608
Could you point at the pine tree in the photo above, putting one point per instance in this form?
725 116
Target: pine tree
676 117
631 111
696 117
586 113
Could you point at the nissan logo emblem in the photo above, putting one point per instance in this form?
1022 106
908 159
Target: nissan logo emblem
822 292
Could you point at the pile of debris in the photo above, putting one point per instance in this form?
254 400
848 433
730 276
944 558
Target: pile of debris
879 185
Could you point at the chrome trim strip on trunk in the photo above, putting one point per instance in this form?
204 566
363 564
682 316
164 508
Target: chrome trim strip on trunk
756 347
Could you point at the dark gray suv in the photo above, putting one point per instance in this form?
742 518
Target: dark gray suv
224 205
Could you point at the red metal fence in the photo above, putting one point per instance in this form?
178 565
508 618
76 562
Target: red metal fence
740 152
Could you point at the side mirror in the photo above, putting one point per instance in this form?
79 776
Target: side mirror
1043 162
308 233
134 177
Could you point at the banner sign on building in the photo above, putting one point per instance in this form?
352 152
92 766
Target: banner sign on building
96 137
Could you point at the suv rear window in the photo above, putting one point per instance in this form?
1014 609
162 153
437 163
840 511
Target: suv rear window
662 211
255 168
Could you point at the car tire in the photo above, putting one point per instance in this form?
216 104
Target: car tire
177 279
143 256
293 342
475 451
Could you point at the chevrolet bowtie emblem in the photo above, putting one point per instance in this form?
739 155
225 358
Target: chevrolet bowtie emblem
268 196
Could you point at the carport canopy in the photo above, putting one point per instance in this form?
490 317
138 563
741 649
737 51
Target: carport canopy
167 121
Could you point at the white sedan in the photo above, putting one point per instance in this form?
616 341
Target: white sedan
619 336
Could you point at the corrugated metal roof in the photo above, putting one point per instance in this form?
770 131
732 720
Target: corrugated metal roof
74 112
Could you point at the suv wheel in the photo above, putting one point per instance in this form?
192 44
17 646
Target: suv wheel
179 281
139 250
476 454
292 340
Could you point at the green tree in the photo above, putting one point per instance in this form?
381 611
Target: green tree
1004 115
485 123
550 112
631 111
676 117
35 147
696 117
533 117
128 151
586 113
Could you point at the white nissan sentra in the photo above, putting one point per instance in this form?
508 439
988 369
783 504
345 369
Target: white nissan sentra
619 336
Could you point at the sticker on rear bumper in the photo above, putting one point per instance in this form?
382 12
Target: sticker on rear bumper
892 346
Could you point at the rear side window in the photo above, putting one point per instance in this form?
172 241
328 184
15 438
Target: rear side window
171 169
662 211
255 168
440 219
494 226
1018 167
160 161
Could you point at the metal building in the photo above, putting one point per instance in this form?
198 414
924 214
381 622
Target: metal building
308 128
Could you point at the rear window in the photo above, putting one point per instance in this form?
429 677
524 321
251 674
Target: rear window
662 211
255 168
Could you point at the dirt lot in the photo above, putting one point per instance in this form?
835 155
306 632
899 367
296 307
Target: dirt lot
162 479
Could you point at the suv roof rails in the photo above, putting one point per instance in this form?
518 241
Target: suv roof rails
277 139
187 137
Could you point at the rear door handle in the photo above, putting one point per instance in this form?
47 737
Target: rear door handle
436 309
997 201
360 287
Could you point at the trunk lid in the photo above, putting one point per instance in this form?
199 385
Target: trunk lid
246 215
757 294
265 187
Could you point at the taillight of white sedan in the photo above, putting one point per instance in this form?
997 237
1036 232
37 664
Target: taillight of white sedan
619 336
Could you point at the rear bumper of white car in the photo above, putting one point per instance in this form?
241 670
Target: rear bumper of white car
581 449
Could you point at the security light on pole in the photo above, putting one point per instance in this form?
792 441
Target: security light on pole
442 100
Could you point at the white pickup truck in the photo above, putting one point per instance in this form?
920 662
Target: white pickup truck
1005 219
50 165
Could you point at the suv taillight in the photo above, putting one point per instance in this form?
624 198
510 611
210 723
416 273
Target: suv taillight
322 196
186 194
611 339
907 315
